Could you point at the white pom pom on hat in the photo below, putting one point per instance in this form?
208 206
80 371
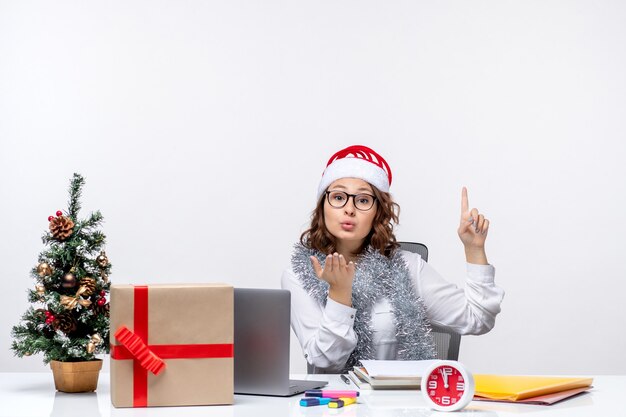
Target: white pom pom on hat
356 161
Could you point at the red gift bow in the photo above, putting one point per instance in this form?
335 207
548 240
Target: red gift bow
138 349
150 357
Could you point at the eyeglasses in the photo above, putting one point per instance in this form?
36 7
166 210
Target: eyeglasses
339 199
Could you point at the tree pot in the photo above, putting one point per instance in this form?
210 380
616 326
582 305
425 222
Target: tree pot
76 376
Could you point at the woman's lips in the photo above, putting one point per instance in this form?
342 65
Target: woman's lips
347 226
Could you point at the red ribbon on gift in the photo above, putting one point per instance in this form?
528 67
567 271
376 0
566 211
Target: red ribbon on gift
134 345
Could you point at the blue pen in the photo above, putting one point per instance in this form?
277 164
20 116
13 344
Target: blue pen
313 401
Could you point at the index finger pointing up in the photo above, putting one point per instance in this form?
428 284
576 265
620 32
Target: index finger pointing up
464 202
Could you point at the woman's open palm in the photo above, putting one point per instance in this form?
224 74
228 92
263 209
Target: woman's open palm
336 271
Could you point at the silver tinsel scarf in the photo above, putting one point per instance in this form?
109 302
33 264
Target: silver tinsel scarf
376 277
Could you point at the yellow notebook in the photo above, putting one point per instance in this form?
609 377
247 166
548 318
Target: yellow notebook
515 388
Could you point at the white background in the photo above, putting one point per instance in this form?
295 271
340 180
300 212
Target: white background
202 128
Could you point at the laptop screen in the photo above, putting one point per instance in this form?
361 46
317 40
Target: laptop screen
262 332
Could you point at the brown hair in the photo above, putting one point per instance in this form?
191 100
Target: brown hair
381 237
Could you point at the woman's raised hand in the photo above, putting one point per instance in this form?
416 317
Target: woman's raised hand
339 274
473 231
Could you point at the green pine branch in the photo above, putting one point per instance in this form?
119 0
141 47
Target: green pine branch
76 191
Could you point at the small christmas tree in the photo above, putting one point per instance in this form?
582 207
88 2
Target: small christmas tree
71 321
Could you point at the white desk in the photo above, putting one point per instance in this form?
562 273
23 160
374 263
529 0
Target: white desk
33 394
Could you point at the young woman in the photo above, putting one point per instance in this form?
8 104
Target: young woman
355 295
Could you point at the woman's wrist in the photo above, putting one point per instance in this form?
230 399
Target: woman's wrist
342 296
476 255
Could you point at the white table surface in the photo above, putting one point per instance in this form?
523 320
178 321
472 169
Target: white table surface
33 394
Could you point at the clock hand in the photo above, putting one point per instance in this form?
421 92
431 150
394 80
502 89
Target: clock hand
444 374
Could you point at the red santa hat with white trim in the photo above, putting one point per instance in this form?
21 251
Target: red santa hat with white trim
356 161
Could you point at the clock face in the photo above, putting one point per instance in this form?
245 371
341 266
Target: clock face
445 386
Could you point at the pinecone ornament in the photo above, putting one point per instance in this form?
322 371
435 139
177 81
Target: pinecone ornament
64 322
40 314
101 309
89 284
61 227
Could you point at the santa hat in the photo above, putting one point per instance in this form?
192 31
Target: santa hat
356 161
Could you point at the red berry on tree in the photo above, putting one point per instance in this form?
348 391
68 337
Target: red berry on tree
50 218
59 213
103 293
101 301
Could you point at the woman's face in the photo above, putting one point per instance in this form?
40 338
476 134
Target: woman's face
349 224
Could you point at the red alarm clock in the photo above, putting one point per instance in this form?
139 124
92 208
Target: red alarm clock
447 386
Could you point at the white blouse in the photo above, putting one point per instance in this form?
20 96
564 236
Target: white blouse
327 336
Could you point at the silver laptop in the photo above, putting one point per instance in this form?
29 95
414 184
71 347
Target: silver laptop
262 320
